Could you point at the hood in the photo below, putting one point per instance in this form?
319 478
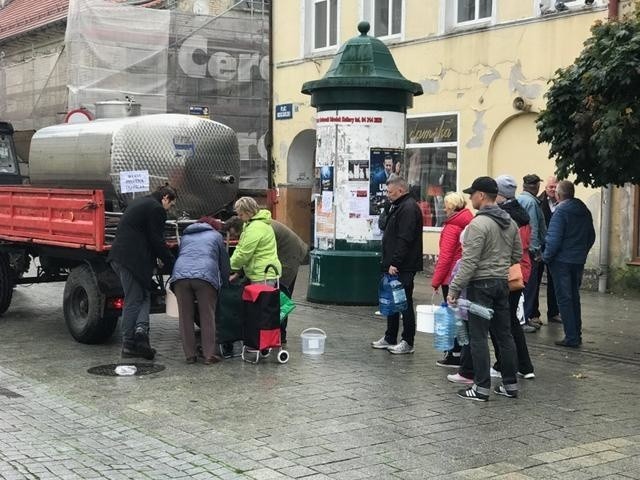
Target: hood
461 218
496 214
196 228
516 212
263 215
574 207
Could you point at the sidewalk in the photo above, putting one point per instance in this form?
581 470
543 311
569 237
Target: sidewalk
352 413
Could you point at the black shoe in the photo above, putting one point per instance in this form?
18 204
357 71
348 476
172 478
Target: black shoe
226 349
472 394
564 343
142 346
133 352
449 361
500 390
555 319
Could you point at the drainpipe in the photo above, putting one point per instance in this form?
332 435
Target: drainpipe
605 201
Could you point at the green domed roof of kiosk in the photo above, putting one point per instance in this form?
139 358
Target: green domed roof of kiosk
363 75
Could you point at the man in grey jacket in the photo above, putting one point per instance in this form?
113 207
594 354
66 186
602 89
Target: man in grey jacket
490 246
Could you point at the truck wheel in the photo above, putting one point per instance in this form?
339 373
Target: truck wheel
83 304
6 283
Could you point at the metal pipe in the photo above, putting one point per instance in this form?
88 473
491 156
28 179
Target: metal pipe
605 227
605 201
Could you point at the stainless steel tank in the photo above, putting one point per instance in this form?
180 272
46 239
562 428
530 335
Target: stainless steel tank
118 109
198 157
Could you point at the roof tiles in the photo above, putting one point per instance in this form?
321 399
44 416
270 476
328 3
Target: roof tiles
21 16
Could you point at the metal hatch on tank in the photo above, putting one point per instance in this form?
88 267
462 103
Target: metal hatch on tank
199 157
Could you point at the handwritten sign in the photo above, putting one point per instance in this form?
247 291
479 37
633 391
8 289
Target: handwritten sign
134 181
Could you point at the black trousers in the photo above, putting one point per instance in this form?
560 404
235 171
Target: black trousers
524 361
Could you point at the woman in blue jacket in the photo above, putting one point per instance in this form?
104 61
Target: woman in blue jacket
201 267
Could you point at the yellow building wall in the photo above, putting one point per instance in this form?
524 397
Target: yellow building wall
476 74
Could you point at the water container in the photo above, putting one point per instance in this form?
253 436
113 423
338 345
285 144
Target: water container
462 334
425 318
313 341
399 296
391 295
444 331
476 308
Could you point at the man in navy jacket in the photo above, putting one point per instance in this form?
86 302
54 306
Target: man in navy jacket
569 239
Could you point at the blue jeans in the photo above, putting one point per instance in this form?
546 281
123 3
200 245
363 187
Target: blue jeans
408 316
137 303
567 278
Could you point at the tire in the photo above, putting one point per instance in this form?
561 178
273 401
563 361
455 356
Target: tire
6 283
83 305
283 356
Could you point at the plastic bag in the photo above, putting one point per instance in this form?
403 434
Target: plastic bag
286 306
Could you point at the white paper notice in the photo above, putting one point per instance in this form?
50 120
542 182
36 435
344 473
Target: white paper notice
134 181
327 202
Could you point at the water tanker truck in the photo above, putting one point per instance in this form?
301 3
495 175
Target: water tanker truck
58 221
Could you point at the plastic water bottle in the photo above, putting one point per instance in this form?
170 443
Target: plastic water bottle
476 308
399 295
444 328
461 331
385 297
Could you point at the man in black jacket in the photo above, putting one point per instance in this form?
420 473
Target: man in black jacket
401 256
139 242
548 203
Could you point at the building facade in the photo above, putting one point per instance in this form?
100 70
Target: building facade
484 66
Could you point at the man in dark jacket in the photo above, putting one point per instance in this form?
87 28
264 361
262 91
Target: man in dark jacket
569 239
401 256
139 242
548 203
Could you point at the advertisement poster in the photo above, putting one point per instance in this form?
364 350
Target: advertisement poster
326 178
324 225
382 163
358 170
359 203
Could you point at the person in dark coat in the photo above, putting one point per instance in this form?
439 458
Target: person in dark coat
569 239
138 244
199 272
548 203
401 256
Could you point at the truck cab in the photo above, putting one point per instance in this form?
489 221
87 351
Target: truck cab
9 164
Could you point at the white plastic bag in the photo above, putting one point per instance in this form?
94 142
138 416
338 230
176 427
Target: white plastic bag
520 310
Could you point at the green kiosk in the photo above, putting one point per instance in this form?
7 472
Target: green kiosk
361 107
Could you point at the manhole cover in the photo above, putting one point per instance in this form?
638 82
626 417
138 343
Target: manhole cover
141 369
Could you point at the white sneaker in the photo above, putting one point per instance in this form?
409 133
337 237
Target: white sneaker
402 348
528 376
377 313
457 378
495 373
382 344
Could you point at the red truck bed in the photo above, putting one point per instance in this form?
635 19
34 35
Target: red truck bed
53 216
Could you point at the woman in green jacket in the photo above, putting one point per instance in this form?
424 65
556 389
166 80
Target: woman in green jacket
256 247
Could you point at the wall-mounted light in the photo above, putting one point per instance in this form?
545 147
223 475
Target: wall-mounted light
521 104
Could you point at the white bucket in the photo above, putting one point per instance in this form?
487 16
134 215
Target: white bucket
425 317
313 341
171 303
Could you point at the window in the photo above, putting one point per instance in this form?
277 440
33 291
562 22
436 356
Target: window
385 16
431 163
473 11
325 23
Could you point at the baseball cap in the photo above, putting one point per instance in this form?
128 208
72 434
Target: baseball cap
482 184
531 179
506 186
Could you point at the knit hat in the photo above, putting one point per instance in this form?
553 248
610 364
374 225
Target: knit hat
506 186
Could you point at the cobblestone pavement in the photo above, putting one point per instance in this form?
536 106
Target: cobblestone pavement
351 413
